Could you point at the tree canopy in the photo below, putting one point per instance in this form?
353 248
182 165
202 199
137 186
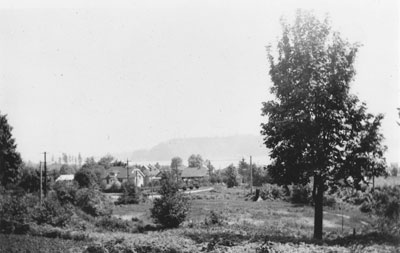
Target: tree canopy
10 159
195 161
176 162
316 129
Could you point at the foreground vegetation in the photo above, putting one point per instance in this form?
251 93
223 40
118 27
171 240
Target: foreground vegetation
221 220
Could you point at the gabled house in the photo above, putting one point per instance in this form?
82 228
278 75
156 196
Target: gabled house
123 174
151 173
194 173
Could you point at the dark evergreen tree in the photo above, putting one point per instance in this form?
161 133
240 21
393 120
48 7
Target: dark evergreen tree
10 159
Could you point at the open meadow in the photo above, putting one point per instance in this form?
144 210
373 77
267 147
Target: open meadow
388 181
220 220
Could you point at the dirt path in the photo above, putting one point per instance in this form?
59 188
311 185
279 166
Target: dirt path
155 196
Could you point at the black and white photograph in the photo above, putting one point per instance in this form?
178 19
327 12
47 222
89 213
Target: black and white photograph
199 126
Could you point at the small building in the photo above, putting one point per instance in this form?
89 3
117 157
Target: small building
151 173
123 174
66 178
195 174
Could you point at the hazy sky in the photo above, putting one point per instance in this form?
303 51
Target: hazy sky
97 80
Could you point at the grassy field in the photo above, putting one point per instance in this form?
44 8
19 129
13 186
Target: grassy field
389 181
245 226
26 243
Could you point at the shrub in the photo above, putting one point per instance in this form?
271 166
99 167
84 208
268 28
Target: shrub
214 218
30 179
230 176
86 178
15 213
116 245
272 191
394 170
116 186
55 232
52 212
116 225
386 204
130 194
66 192
301 194
329 201
93 202
172 208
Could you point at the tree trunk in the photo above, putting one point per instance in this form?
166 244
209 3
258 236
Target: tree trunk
318 204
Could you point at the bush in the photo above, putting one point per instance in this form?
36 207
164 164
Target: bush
55 232
93 202
386 204
66 192
30 179
86 178
15 213
230 176
52 212
172 208
215 218
117 225
272 191
394 170
116 186
301 194
130 194
329 201
116 245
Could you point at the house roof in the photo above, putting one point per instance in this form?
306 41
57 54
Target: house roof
150 170
195 172
122 171
67 177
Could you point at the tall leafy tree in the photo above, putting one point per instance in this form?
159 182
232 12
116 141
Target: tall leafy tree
230 176
66 169
210 167
106 161
195 161
317 130
30 179
79 160
89 161
65 158
176 162
10 159
244 170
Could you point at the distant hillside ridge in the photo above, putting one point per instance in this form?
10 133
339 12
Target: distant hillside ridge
207 147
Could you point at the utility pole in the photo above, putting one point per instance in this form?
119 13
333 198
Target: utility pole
45 175
251 177
41 184
127 170
176 167
136 179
